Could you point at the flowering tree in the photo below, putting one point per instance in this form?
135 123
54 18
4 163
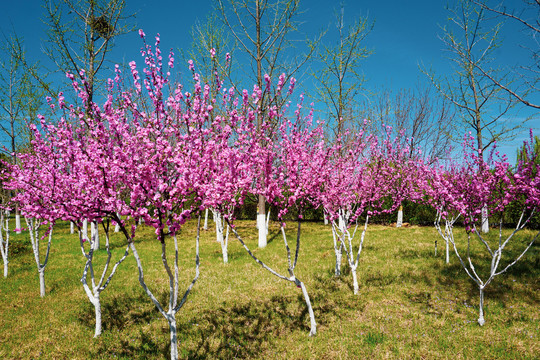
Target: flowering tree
490 183
372 180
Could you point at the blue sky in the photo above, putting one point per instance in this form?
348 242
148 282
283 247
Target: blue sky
405 35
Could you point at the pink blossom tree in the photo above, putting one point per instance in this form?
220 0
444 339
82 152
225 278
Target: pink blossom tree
492 184
372 180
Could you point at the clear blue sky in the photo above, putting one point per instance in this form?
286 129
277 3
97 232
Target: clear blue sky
405 35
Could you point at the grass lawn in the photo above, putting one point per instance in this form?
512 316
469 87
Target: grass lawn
411 304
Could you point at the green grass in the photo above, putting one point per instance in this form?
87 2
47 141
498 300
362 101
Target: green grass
411 304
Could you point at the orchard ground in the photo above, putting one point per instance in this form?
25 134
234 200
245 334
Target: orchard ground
411 304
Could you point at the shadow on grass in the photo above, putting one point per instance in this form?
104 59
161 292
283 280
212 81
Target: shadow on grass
247 329
242 329
119 312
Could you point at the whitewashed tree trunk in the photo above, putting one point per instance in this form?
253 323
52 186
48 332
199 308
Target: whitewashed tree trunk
448 228
267 221
4 242
205 227
117 226
33 228
343 233
219 226
485 220
85 230
18 222
94 231
223 240
447 243
355 280
399 222
261 225
42 282
338 251
94 292
173 334
174 304
496 256
224 245
71 227
325 218
291 266
481 320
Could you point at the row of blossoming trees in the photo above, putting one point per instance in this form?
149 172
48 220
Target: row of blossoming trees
159 155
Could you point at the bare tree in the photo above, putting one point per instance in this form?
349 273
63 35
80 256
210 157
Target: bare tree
20 100
262 29
340 80
527 75
424 118
471 41
81 35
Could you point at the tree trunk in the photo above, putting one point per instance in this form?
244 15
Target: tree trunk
313 329
447 251
262 229
18 223
97 306
481 320
339 255
205 227
355 280
219 227
267 221
42 282
85 229
94 232
485 221
399 217
71 227
6 262
173 332
224 246
325 219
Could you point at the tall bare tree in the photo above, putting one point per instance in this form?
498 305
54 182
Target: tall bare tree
20 99
340 80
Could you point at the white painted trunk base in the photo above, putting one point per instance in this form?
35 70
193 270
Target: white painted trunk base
481 320
399 222
485 220
205 227
85 229
261 223
18 223
42 283
355 280
94 232
97 308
